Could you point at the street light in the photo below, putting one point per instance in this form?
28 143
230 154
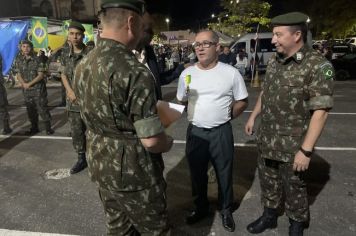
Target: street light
213 15
167 21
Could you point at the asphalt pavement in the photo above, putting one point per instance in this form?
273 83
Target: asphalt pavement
39 197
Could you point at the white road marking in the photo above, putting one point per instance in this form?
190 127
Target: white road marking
330 113
6 232
175 142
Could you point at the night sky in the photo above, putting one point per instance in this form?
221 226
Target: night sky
188 14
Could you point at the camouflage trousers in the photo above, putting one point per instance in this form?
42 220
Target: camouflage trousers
144 211
36 104
4 114
78 131
277 177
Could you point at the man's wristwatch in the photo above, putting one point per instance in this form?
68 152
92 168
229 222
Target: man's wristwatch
306 153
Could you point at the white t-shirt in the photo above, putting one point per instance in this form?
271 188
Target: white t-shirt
211 93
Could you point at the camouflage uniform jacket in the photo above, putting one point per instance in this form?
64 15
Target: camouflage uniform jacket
117 103
293 88
28 69
70 61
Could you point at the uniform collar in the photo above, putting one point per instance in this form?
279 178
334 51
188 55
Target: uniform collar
297 57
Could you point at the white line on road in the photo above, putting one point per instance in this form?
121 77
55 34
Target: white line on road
175 141
6 232
330 113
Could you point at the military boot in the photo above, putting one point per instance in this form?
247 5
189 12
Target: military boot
7 128
267 221
296 228
34 129
80 165
49 130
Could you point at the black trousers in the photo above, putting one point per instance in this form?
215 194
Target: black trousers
215 145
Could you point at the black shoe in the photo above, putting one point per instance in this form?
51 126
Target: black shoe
6 127
196 216
296 228
32 131
6 131
49 130
228 221
80 165
267 221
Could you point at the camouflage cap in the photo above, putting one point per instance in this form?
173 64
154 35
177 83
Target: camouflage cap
25 41
292 18
76 25
138 6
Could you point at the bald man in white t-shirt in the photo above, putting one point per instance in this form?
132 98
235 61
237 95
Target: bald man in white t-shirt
215 93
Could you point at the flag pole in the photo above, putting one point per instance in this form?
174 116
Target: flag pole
255 53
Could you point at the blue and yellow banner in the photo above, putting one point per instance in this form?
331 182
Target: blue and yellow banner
39 32
88 34
11 32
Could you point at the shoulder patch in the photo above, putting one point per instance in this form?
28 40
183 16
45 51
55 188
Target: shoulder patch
327 70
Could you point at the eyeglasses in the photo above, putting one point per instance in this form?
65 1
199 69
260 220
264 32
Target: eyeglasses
204 44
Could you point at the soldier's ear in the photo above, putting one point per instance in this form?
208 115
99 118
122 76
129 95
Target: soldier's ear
298 36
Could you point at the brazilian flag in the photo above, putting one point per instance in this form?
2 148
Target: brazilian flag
88 34
39 32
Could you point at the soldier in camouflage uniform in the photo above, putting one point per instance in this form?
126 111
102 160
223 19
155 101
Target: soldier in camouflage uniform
30 73
117 102
4 114
294 103
78 51
63 54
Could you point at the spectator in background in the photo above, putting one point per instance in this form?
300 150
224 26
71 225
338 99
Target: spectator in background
227 56
175 57
161 59
327 53
241 63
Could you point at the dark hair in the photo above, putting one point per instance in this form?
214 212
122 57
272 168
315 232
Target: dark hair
303 28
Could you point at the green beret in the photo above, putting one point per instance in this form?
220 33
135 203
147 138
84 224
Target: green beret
25 41
76 25
137 6
292 18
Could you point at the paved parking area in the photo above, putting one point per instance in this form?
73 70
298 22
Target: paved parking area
32 202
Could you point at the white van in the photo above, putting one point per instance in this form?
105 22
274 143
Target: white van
265 48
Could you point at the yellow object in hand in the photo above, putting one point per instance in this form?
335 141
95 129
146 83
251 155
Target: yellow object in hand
187 80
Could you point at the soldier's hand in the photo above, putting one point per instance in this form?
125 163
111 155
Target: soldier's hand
26 86
301 162
71 96
249 126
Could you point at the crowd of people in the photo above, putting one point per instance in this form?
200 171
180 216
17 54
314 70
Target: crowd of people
120 138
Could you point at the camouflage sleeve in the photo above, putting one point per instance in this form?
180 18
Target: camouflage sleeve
142 106
41 66
321 86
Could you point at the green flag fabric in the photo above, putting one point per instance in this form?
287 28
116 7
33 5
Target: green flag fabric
39 32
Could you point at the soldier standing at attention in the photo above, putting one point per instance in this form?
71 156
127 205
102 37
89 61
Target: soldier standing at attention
294 104
116 96
30 74
4 114
77 52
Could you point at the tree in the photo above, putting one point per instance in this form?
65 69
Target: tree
328 17
335 18
241 16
